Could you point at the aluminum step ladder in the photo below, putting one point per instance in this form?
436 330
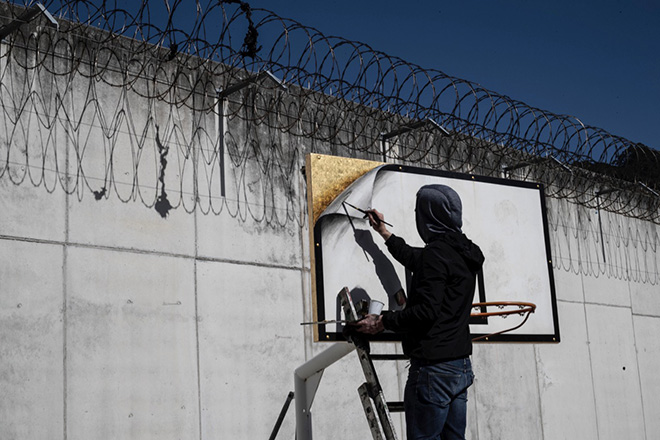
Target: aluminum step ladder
376 408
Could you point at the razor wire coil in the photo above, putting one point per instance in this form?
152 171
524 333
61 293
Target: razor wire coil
117 77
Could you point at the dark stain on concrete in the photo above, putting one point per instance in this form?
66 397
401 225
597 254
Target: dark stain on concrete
163 205
98 195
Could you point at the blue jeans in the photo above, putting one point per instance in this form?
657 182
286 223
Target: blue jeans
435 399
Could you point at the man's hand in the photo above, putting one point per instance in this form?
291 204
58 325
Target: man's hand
370 324
377 221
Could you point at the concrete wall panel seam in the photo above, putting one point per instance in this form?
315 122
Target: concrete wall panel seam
593 383
639 376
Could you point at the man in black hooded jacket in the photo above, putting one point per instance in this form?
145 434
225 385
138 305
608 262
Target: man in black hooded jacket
435 321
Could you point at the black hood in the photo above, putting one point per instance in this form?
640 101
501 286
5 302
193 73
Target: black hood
438 210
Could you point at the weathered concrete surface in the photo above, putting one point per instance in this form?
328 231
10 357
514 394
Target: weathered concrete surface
112 223
605 290
260 243
646 341
131 346
645 299
28 212
31 341
619 411
268 214
247 352
506 392
568 287
567 400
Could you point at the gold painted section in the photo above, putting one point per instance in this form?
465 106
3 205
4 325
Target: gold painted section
327 177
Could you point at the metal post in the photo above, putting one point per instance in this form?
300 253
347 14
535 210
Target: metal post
26 17
306 381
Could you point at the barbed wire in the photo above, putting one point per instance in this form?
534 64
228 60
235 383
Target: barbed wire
271 75
212 106
601 244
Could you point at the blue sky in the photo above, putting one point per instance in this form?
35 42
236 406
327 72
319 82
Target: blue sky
596 60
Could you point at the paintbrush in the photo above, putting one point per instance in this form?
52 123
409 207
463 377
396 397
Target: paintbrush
366 214
324 322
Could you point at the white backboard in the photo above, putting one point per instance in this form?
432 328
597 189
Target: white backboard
505 218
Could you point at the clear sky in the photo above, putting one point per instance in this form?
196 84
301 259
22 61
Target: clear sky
596 60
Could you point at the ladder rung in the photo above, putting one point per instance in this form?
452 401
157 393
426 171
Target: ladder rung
388 357
395 406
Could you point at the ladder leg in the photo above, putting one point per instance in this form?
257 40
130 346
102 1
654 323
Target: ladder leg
373 387
376 394
363 390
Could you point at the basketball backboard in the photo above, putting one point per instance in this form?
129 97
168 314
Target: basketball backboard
506 218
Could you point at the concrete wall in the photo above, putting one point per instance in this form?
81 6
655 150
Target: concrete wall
118 323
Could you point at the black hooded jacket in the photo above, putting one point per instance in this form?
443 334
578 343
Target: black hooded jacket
435 322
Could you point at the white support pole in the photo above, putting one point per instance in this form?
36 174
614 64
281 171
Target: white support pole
306 381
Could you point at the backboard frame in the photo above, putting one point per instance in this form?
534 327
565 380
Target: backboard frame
319 295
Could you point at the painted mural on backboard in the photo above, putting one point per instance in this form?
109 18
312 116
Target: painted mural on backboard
505 218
